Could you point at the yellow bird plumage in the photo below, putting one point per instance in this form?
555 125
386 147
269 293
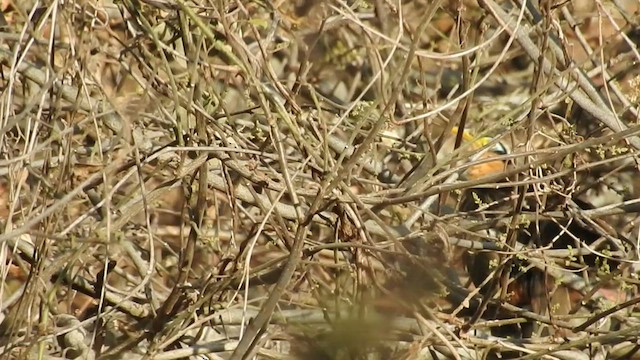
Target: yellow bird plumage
477 144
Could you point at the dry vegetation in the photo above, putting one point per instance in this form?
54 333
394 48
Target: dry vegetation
222 179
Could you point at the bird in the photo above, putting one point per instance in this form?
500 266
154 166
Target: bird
431 252
527 287
484 146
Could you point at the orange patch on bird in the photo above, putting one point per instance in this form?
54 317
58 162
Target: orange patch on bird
485 168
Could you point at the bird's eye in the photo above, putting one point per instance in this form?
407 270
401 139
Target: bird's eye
500 149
